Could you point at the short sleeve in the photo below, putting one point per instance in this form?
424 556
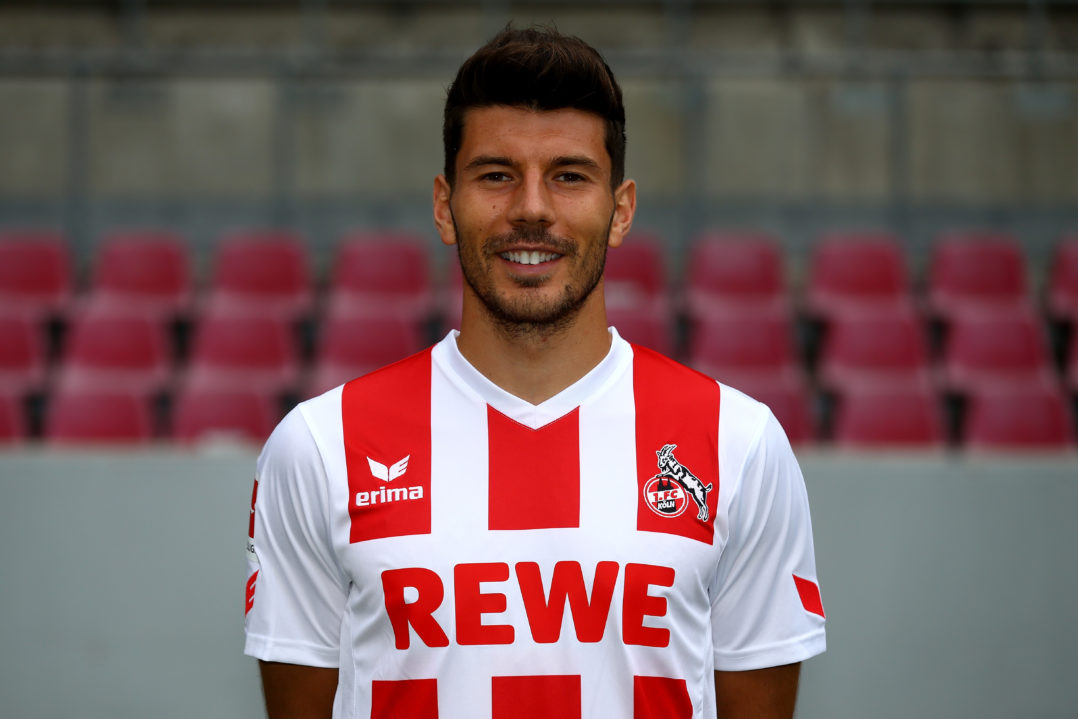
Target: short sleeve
766 607
296 590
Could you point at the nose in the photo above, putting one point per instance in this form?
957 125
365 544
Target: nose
532 203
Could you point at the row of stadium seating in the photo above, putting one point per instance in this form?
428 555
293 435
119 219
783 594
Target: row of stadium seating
859 357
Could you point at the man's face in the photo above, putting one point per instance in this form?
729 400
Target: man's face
532 212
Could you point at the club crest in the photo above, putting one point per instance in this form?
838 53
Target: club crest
668 493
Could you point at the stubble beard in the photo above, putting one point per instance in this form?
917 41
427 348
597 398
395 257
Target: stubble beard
529 315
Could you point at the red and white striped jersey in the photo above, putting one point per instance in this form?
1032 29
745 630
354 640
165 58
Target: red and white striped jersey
459 552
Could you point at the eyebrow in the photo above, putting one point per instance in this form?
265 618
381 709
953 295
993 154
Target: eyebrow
560 161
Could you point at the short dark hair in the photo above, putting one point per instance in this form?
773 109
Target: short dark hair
540 69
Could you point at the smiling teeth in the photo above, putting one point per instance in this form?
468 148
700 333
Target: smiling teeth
529 258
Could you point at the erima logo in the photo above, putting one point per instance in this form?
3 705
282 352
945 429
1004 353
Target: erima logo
385 495
388 474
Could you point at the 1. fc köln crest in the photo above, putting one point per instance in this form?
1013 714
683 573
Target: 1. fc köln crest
670 491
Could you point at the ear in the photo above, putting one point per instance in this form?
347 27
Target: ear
443 214
624 211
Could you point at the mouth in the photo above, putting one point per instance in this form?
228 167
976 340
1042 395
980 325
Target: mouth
529 257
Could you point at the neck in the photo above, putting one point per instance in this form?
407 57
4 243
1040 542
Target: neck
534 363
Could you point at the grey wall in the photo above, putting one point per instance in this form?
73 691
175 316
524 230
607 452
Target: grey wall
950 586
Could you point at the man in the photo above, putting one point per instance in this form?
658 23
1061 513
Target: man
533 518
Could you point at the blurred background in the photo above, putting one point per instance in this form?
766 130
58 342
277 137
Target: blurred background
863 213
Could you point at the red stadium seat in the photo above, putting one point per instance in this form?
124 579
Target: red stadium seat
351 345
739 269
744 348
874 347
984 348
1017 417
213 415
262 272
635 273
384 272
1062 299
92 417
888 416
851 272
12 421
109 350
976 269
35 273
144 271
22 355
650 326
235 351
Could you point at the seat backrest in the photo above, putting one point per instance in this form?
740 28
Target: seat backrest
22 351
976 268
735 265
858 267
268 263
886 341
239 341
995 346
366 341
150 265
88 417
381 264
201 415
1026 416
117 340
743 340
35 271
887 416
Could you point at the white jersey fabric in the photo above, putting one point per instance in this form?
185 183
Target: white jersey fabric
459 552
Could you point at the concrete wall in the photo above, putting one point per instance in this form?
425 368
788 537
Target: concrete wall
949 585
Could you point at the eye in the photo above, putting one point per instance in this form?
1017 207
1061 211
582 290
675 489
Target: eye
495 176
571 178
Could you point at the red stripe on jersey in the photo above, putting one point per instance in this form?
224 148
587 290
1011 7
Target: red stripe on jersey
251 582
412 698
536 697
386 418
661 698
677 442
809 592
534 480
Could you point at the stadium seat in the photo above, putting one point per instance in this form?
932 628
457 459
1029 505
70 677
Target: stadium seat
352 344
976 269
22 355
852 272
880 346
738 269
93 417
745 348
1062 297
263 272
35 273
143 271
384 272
236 351
888 416
635 274
202 415
1015 417
115 349
649 326
12 421
985 348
